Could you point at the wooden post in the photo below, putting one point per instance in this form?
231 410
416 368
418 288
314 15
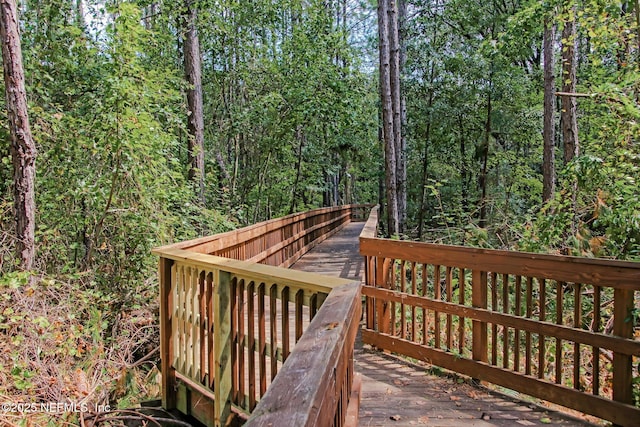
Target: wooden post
369 277
166 338
622 327
222 346
479 300
383 280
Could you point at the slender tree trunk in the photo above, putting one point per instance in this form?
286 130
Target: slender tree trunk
193 72
485 159
23 149
300 137
569 103
388 120
464 179
549 131
425 157
569 117
400 104
636 8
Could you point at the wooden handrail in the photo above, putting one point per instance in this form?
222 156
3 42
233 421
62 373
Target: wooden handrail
320 370
229 326
498 316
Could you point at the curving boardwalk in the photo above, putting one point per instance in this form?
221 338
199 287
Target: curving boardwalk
398 393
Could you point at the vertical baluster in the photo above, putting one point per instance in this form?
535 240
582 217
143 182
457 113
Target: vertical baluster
577 323
449 292
559 321
414 291
210 330
436 314
188 319
494 326
181 332
313 306
596 350
262 342
235 369
195 323
273 323
403 289
425 319
542 318
516 337
202 327
383 308
284 301
461 300
299 306
392 304
370 275
251 344
241 344
505 330
527 337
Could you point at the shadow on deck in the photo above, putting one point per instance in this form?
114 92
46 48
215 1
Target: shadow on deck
396 392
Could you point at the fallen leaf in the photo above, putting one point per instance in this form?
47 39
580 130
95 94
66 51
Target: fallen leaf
395 417
332 325
545 420
454 398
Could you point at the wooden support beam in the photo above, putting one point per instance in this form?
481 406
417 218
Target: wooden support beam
166 339
479 300
222 347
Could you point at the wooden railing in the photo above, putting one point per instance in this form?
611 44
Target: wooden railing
563 329
229 325
315 387
281 241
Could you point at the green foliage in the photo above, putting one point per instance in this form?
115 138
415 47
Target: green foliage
607 210
289 107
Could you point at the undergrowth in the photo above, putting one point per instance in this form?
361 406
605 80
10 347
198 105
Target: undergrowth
68 350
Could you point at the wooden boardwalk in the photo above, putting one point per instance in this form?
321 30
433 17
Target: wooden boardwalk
398 393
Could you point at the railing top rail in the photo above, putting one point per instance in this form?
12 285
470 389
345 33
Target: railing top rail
601 272
259 228
596 271
265 273
370 229
304 387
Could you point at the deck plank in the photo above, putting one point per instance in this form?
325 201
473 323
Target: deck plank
396 392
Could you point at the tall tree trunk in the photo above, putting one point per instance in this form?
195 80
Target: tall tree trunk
294 192
569 103
485 158
636 9
549 130
388 121
23 149
425 158
400 104
193 73
464 175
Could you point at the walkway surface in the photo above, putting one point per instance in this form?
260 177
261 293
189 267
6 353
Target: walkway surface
396 392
